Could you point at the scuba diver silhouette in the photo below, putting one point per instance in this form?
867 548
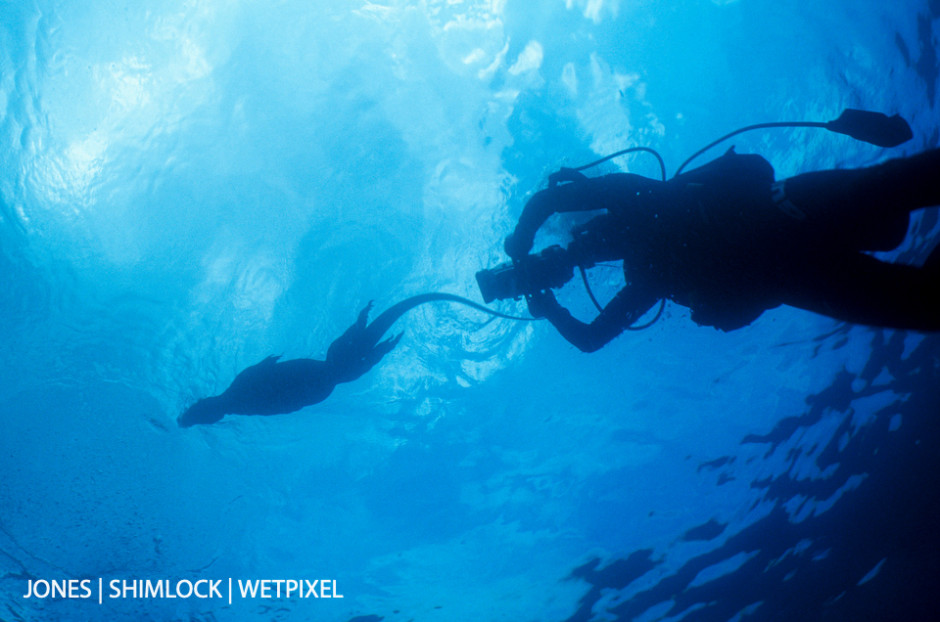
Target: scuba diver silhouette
729 242
274 387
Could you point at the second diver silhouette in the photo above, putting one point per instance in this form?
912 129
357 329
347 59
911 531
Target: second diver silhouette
274 387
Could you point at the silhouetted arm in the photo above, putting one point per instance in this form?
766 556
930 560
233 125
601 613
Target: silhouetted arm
624 309
584 195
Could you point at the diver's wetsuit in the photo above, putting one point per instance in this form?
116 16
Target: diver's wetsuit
728 242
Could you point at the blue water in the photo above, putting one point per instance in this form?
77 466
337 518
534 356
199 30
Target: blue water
188 187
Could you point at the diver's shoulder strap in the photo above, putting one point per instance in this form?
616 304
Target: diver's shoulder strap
749 168
565 174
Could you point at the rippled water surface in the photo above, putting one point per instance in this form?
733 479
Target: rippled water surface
189 187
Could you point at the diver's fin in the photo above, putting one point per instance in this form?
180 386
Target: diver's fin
872 127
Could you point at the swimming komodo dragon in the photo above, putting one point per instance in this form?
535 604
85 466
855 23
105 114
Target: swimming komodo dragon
274 387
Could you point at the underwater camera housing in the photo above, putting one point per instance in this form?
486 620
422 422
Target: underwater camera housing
552 267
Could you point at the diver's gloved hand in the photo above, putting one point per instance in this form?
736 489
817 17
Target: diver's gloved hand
542 304
517 246
538 208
